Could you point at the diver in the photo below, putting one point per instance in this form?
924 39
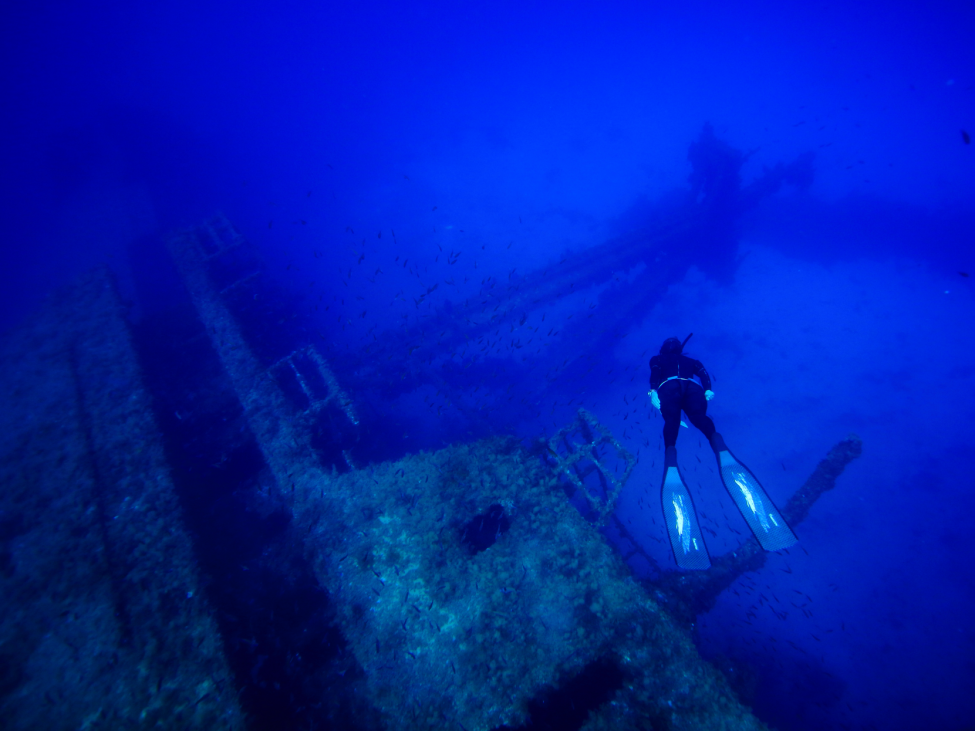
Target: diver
673 389
671 392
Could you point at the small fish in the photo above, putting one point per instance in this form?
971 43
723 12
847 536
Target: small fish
964 274
966 137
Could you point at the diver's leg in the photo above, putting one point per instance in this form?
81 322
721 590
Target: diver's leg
670 403
764 519
695 405
681 518
679 515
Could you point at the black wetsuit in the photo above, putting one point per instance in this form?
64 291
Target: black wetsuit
681 393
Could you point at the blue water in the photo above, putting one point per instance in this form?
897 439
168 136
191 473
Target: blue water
373 151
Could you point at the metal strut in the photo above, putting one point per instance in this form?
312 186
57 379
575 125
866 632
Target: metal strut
568 462
336 394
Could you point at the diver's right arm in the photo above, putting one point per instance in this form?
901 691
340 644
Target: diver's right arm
656 377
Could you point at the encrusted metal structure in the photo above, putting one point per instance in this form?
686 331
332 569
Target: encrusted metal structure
450 636
103 623
578 460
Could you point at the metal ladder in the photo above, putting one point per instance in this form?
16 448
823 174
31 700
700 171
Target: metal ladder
336 395
217 237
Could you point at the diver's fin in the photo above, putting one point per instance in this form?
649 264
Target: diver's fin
764 519
681 518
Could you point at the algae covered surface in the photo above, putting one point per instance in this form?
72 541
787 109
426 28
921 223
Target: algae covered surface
448 634
103 620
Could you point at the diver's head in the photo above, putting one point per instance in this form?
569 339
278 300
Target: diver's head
671 345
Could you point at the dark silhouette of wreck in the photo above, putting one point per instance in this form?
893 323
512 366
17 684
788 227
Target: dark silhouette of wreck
198 530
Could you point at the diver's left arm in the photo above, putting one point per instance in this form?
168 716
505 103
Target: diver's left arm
702 373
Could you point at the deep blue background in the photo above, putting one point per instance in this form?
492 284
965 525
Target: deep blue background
544 126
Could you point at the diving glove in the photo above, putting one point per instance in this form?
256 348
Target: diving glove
709 394
654 399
